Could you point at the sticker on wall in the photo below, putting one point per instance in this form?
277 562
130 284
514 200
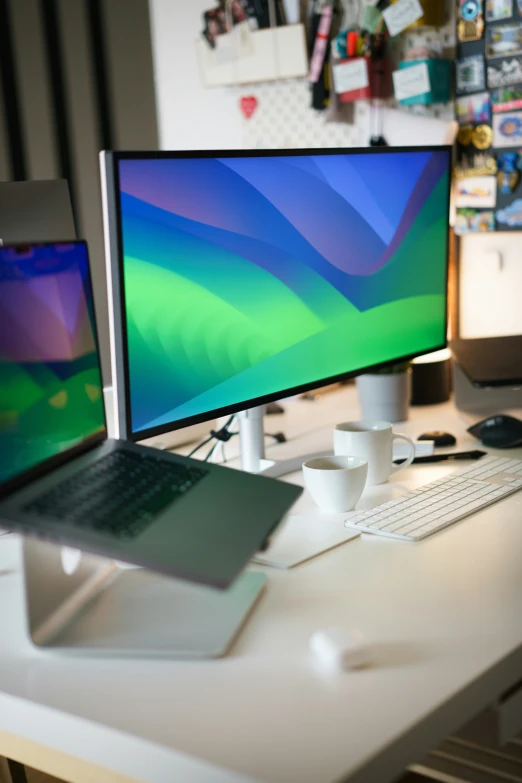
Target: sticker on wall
504 40
472 221
507 98
464 135
476 192
248 104
470 25
509 166
470 74
511 215
505 72
507 129
482 137
498 9
473 109
478 164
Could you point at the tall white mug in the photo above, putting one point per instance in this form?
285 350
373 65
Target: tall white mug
373 441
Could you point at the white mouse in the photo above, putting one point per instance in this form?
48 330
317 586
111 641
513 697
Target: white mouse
340 648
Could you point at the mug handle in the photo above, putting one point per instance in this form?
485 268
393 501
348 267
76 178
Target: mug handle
409 460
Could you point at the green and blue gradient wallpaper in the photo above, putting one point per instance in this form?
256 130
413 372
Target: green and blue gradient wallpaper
50 383
249 276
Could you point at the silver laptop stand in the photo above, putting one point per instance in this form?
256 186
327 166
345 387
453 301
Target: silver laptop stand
77 603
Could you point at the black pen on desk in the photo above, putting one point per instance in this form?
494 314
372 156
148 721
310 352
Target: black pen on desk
476 454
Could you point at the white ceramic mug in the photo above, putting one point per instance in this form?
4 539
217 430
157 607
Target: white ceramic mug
373 441
335 483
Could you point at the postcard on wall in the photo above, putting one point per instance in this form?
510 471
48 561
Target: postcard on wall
472 221
473 109
498 9
470 74
504 40
504 72
512 214
507 98
507 129
476 192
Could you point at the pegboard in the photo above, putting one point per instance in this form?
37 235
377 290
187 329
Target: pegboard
283 118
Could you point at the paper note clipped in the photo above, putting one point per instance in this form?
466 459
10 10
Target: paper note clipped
412 81
401 14
351 75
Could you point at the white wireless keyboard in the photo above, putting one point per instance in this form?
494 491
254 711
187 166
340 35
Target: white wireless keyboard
429 508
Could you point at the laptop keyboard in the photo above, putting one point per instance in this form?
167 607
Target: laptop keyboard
120 494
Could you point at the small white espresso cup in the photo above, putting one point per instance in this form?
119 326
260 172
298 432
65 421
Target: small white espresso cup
335 483
373 441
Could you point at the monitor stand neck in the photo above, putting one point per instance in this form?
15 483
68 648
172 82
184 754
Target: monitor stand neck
252 445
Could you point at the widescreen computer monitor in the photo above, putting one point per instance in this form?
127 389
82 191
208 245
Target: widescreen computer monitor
238 278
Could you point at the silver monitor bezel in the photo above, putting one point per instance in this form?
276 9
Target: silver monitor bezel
114 265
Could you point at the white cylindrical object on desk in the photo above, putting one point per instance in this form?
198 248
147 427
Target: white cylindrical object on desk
339 648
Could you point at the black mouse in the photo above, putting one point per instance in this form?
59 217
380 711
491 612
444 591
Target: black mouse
498 432
439 438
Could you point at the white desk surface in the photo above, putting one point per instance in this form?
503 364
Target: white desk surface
444 616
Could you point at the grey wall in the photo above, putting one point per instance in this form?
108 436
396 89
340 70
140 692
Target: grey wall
76 78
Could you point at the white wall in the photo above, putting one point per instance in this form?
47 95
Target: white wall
189 116
491 284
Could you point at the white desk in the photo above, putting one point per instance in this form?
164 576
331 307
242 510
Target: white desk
444 614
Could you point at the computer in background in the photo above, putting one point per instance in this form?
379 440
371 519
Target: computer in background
239 278
36 211
62 480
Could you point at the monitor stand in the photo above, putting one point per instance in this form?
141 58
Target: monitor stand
82 604
252 447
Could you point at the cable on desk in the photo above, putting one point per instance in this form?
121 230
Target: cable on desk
220 435
223 435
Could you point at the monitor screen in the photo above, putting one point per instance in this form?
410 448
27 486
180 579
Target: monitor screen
248 277
50 384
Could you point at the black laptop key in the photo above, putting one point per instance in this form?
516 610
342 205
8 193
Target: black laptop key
120 495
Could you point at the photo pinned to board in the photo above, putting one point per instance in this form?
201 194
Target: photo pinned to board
504 72
498 9
476 192
507 129
473 109
470 74
506 98
473 221
504 40
511 215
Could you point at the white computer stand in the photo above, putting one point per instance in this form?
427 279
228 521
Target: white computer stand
89 605
252 447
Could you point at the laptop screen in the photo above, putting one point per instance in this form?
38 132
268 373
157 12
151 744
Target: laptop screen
51 396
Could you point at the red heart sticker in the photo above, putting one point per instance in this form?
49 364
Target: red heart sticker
248 105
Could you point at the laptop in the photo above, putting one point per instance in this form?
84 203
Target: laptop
36 211
62 479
